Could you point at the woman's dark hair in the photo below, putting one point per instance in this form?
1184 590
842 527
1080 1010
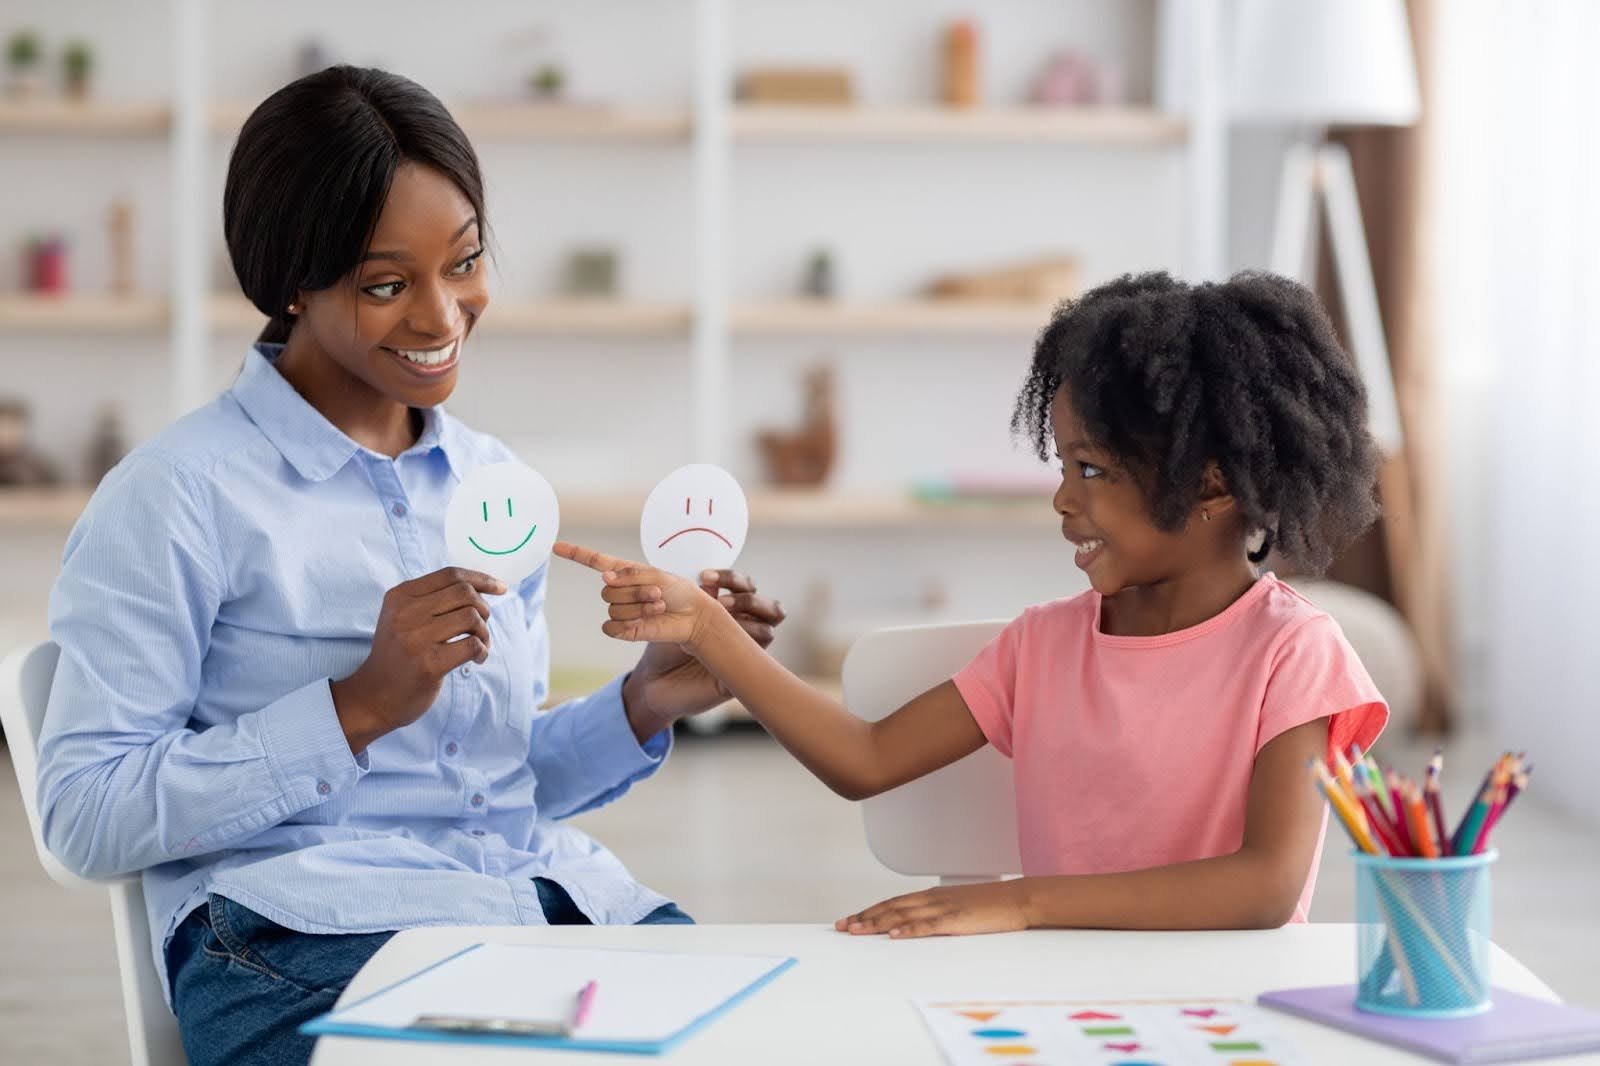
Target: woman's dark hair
1247 374
311 171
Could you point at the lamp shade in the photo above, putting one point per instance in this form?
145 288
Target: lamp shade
1323 63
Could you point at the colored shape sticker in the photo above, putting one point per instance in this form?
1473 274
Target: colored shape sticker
1108 1030
1094 1016
1195 1013
999 1034
1011 1049
979 1015
1220 1030
1237 1045
1126 1048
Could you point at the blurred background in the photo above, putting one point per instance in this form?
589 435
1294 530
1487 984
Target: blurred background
813 241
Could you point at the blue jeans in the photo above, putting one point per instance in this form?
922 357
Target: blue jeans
242 985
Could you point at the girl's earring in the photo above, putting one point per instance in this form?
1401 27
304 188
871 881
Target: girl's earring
1205 516
294 309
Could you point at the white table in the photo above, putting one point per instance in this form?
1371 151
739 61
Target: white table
849 998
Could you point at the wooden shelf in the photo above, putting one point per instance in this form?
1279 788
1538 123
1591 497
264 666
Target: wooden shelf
580 318
81 314
1099 125
822 509
769 509
55 507
903 317
530 121
89 116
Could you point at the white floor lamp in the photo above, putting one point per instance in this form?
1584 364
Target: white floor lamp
1308 65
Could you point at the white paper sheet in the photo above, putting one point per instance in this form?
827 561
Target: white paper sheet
1056 1032
642 996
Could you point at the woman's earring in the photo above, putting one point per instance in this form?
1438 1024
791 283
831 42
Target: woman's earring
294 309
1205 516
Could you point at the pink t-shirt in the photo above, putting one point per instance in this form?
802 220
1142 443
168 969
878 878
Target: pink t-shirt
1131 752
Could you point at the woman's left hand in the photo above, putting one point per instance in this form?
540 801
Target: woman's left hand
992 907
671 683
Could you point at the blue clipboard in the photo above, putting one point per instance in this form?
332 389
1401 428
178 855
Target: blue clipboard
330 1024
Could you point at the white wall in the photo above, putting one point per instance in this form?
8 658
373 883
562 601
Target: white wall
893 217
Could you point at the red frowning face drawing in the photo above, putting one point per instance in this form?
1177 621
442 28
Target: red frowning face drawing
695 519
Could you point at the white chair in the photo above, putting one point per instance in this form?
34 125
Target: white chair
25 678
959 823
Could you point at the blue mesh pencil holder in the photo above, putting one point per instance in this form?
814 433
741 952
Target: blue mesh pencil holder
1422 935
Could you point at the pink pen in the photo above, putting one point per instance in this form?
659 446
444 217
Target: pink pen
580 1012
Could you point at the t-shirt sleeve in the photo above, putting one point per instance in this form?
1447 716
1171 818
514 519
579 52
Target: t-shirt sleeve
1317 675
988 684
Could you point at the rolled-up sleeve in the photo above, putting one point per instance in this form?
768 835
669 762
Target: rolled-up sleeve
125 782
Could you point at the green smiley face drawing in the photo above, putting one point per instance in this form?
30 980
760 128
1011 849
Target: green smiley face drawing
510 513
502 520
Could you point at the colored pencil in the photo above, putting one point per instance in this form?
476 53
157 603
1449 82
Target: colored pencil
1342 808
1417 815
1401 818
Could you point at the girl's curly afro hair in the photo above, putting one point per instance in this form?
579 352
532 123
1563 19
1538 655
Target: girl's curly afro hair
1247 374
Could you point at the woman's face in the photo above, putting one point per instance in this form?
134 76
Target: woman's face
399 322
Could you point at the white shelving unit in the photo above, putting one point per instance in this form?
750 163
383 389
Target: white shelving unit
711 129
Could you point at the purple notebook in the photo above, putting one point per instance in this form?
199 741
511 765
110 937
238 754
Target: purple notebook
1516 1027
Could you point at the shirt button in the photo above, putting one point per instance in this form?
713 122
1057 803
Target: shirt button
477 832
466 670
399 510
323 788
451 748
477 799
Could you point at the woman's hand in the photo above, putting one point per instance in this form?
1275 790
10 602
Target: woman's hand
414 646
992 907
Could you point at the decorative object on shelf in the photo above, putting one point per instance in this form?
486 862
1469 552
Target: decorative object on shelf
1040 281
1073 79
108 445
962 79
120 229
22 63
815 86
804 456
820 283
311 57
45 266
548 82
20 465
592 272
77 69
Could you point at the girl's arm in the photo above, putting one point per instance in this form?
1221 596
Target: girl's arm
855 758
1255 887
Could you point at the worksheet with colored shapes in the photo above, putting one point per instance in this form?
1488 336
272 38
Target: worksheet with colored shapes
1144 1032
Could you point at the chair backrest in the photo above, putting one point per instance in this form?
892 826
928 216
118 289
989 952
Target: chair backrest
153 1039
959 822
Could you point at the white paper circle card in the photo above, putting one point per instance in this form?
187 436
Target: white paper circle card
502 520
695 519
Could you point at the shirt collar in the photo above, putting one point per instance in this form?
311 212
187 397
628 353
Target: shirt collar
315 447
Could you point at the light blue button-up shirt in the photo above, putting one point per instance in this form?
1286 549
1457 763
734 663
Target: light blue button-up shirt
220 577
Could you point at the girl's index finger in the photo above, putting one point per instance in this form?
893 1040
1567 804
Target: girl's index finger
594 560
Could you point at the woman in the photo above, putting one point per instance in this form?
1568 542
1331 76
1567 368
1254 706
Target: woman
270 698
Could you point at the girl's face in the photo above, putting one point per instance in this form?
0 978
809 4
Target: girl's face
398 323
1103 513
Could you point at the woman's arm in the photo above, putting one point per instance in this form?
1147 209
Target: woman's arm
1255 887
124 783
853 757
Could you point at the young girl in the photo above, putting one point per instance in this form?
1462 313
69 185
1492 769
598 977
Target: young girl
1160 723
